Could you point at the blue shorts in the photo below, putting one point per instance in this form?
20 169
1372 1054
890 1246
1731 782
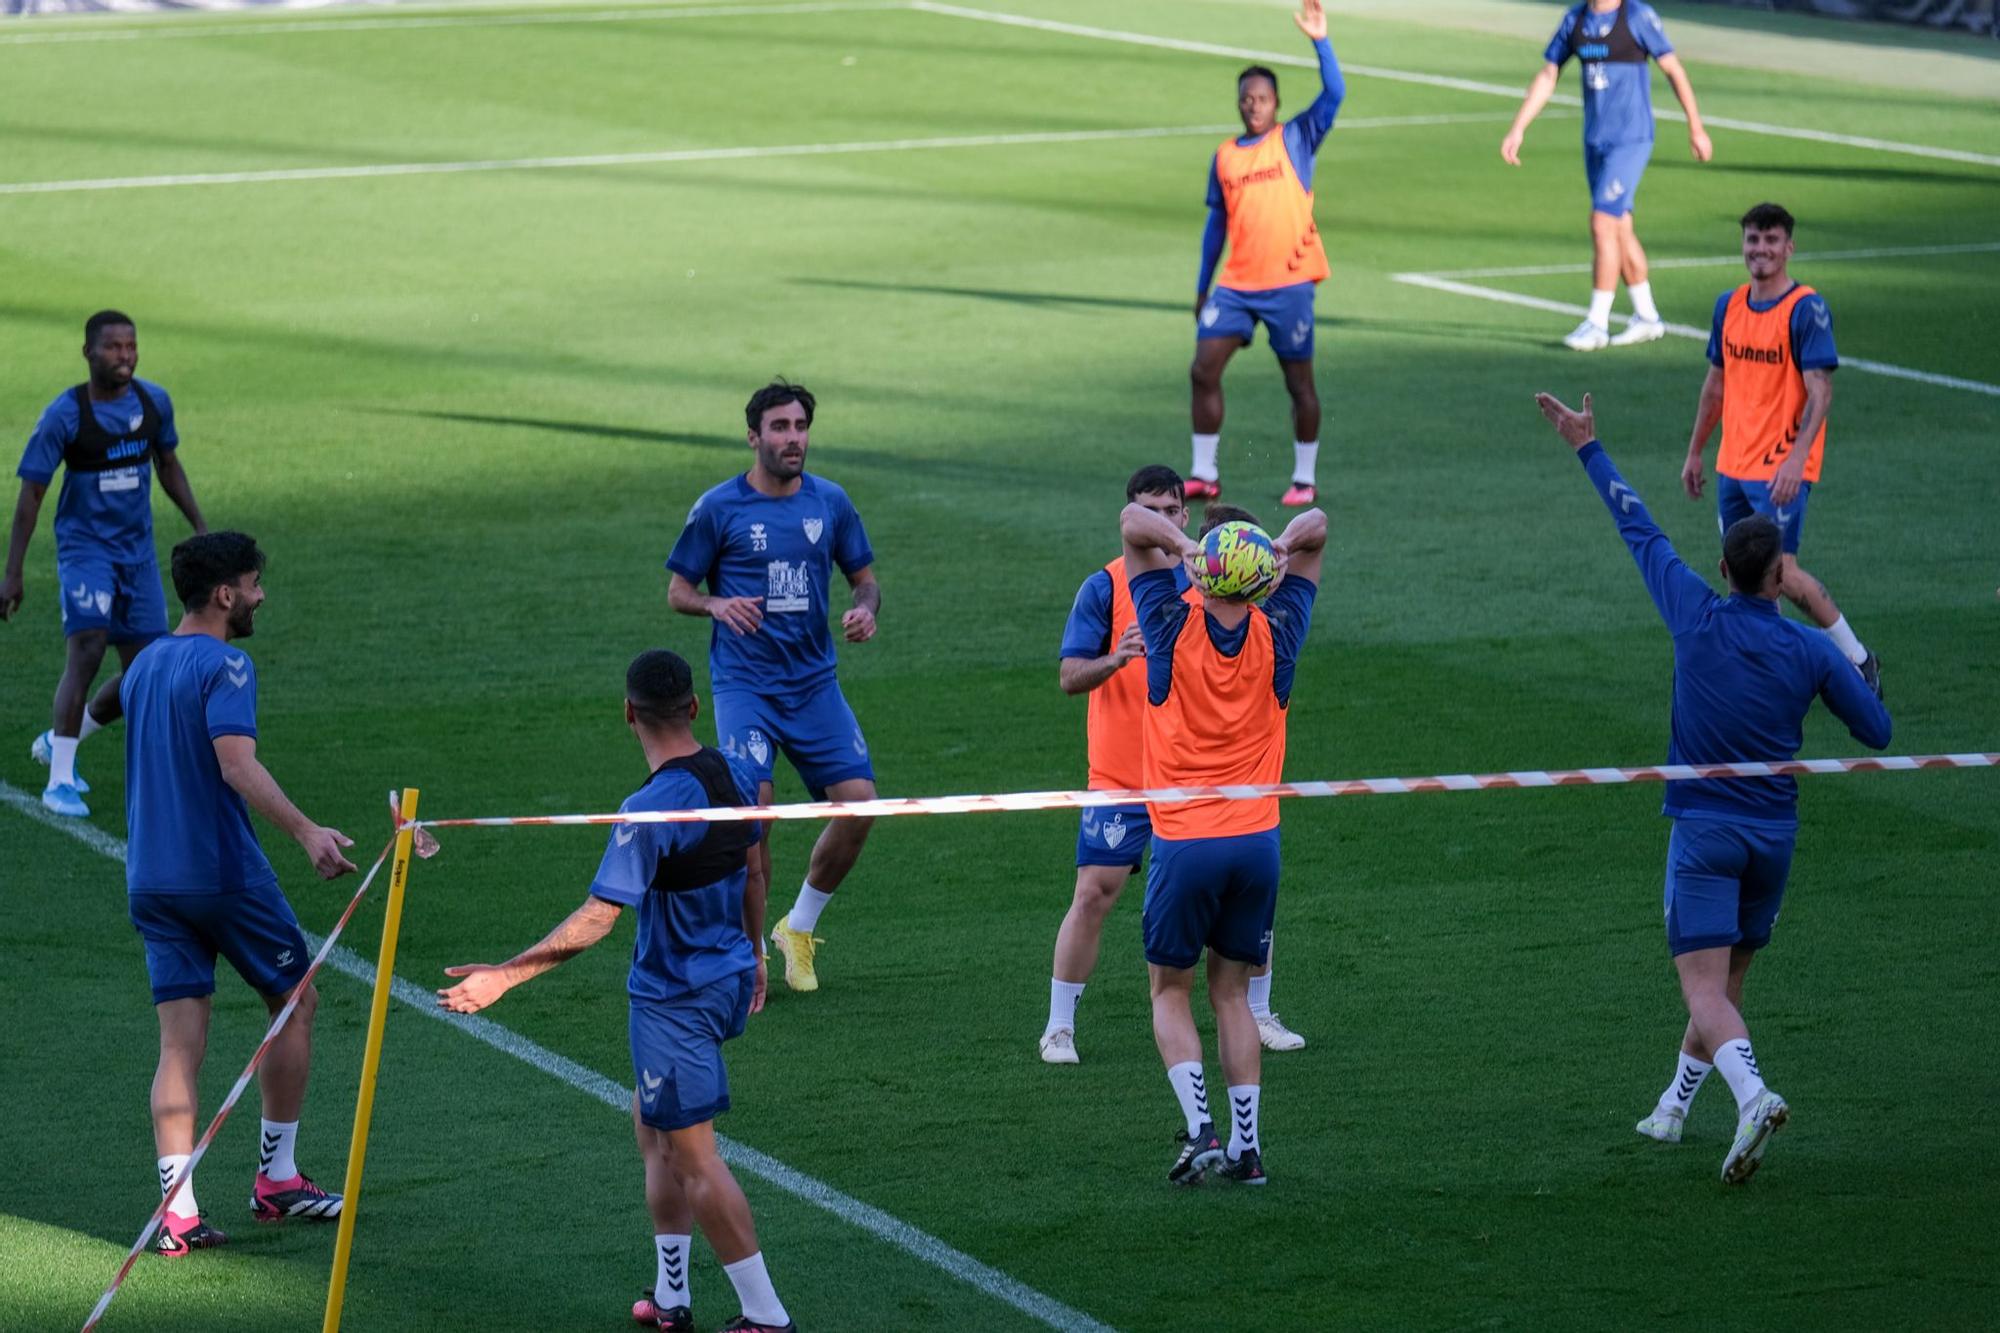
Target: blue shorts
124 600
1113 835
1725 883
1285 312
1739 499
1614 174
1221 893
253 928
817 732
677 1051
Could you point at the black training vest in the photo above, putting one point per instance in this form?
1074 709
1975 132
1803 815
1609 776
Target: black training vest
97 450
1620 47
721 851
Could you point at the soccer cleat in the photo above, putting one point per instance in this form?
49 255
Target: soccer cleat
178 1237
1871 671
276 1200
1588 337
1766 1115
1640 331
64 801
1198 1153
1059 1047
743 1323
43 752
1663 1125
1301 494
672 1318
1199 488
798 947
1245 1170
1273 1035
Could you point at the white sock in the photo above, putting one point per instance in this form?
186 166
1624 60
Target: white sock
183 1205
1600 307
1243 1099
1204 456
805 913
1260 996
1192 1089
1687 1081
754 1290
62 761
1738 1064
1063 996
670 1278
1642 300
1843 638
1305 462
274 1157
90 724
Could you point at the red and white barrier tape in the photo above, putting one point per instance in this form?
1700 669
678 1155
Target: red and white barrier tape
1063 800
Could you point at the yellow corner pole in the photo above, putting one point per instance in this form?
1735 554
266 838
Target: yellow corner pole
371 1059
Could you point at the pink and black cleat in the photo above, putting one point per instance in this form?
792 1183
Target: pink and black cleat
276 1200
1300 495
742 1324
671 1318
1200 489
179 1237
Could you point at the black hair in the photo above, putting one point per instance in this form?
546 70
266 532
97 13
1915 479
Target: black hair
660 687
1258 72
101 321
776 394
204 563
1156 479
1216 515
1766 216
1750 548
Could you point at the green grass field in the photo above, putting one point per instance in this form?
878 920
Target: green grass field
466 412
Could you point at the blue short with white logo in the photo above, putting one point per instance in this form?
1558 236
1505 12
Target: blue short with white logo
126 601
1285 312
677 1051
1113 835
1218 893
815 730
1614 173
1725 883
253 928
1736 499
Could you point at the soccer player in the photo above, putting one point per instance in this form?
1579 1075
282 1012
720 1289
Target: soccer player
1770 384
1260 200
1614 41
696 978
199 883
1102 656
765 543
109 434
1218 686
1744 680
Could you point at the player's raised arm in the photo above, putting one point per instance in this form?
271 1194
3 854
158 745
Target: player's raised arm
1301 546
1312 124
1152 541
484 982
1677 77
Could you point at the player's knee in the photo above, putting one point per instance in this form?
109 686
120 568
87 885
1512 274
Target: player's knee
1204 378
1097 895
86 649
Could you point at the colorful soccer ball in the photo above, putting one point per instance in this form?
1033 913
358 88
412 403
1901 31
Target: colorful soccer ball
1237 561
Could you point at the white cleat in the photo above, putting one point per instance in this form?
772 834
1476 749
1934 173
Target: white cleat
1761 1119
43 752
1273 1035
1588 337
1059 1047
1641 331
1663 1125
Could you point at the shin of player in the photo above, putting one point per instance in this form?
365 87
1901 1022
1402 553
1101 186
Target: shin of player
1260 204
695 979
1770 386
1613 40
1218 689
1744 680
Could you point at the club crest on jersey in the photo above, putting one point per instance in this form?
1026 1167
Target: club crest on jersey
136 422
758 539
814 527
1114 831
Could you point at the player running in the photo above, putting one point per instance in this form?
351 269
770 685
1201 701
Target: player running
1260 200
1770 384
1744 680
696 978
766 543
1102 652
200 885
1218 684
1614 41
109 434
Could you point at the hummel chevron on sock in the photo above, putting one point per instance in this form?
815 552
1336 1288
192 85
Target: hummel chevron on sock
1738 1064
1260 996
1243 1099
754 1289
1687 1081
670 1282
1063 996
183 1205
805 912
274 1150
1192 1089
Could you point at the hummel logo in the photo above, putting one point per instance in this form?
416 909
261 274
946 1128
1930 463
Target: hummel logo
82 595
285 958
270 1150
649 1086
1624 495
234 663
625 834
1689 1082
238 681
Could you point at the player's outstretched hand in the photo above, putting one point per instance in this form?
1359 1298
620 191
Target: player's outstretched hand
1578 428
1691 476
1311 19
858 624
11 591
323 846
1701 145
1510 148
744 615
483 984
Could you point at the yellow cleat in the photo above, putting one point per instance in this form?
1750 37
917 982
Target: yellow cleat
797 946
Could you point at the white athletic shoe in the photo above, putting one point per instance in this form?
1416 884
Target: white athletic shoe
1641 331
43 752
1273 1035
1761 1119
1663 1125
1059 1047
1588 337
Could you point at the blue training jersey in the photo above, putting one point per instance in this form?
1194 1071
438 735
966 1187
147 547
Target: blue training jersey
1156 596
109 511
1744 676
1087 632
1811 330
690 938
1617 80
188 830
780 550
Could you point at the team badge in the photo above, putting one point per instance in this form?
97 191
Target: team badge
758 748
813 529
103 603
1209 314
1114 831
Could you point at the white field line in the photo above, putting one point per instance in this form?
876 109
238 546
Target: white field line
1437 81
1729 261
1457 288
884 1227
